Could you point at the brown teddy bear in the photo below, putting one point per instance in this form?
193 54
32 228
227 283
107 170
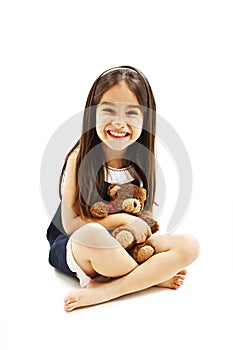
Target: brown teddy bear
131 199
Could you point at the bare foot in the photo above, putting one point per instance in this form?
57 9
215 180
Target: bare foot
93 294
97 292
175 282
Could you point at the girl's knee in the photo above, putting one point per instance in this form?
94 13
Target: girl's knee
188 248
94 235
92 227
89 229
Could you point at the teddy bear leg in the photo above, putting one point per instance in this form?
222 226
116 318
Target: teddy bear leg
142 252
124 237
137 231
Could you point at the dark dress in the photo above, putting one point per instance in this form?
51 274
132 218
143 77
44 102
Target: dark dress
58 239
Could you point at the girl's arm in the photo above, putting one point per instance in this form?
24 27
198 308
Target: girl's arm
71 222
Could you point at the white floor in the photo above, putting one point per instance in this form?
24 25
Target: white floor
196 316
187 56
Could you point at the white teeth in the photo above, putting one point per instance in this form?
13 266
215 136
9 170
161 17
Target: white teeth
117 134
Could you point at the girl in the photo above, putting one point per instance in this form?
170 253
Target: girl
116 146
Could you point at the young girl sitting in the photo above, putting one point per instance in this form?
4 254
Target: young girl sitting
116 146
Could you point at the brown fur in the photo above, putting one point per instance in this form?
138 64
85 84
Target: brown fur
131 199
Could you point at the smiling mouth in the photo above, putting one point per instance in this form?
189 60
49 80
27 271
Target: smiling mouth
118 134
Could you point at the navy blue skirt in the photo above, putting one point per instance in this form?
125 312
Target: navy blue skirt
57 255
58 239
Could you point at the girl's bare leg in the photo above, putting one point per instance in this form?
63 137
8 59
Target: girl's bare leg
96 251
173 253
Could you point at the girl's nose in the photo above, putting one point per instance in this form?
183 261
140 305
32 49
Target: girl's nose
118 124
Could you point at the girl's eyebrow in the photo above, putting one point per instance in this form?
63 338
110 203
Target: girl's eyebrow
134 106
107 103
114 105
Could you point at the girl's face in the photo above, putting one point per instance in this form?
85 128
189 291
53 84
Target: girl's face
119 117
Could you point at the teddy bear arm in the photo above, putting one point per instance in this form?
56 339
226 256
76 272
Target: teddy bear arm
153 224
99 210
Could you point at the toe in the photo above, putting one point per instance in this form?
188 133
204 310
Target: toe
180 278
67 301
71 306
71 302
177 282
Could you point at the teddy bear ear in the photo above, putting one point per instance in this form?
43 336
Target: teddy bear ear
112 190
143 193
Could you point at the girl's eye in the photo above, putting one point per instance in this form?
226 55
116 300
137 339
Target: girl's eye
109 110
132 113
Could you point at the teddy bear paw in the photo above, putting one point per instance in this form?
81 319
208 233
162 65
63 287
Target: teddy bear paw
99 210
142 252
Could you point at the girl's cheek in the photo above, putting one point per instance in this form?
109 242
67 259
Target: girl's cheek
103 121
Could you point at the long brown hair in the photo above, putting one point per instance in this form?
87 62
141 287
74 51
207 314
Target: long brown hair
141 153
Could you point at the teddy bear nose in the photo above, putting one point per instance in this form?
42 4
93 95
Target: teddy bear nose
135 204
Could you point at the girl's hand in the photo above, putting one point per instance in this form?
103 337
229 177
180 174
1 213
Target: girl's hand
141 230
135 232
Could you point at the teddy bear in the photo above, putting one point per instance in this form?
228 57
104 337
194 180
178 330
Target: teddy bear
129 198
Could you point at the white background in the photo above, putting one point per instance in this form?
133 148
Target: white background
51 52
